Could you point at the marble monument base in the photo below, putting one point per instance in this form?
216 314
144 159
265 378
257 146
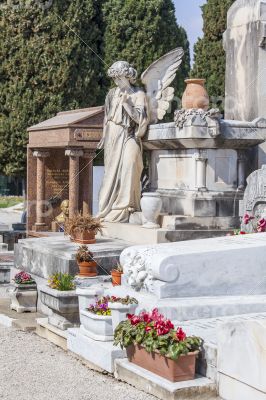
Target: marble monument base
51 333
47 255
197 389
99 355
137 234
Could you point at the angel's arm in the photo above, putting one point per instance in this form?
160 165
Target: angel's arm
137 112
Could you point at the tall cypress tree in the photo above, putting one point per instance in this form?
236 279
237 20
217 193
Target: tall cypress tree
209 53
141 31
47 64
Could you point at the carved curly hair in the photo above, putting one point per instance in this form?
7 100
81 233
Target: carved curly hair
122 69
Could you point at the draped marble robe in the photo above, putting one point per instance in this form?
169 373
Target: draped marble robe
123 129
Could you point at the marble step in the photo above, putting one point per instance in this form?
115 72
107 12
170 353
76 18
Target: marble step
200 388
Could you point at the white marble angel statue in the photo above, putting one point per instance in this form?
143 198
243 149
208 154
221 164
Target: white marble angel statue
128 112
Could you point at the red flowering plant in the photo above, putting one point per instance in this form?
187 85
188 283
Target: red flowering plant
156 334
23 278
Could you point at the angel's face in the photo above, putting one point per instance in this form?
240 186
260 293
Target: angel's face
122 82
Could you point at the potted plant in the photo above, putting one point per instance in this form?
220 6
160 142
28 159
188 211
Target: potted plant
87 264
24 293
60 297
96 321
117 275
83 228
154 344
120 307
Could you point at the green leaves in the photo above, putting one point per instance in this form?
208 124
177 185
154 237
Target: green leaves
45 68
167 345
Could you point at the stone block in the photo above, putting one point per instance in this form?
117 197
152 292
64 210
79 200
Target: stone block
4 274
48 255
100 354
242 359
197 389
51 333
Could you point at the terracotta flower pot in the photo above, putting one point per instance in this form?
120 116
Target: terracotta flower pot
88 268
182 369
86 237
195 95
116 278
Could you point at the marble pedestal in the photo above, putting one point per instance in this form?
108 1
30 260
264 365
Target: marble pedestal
24 298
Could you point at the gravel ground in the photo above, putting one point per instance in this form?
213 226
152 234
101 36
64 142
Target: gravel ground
32 368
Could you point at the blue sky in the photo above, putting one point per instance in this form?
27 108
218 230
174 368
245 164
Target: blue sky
188 15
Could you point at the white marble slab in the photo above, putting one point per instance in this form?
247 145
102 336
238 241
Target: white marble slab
242 354
206 267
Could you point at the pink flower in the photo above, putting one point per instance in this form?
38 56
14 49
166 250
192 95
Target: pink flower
180 334
261 225
134 319
148 328
247 218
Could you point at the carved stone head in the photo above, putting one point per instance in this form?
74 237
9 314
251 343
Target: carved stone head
122 69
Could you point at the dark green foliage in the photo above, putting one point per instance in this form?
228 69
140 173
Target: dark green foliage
209 53
45 67
140 31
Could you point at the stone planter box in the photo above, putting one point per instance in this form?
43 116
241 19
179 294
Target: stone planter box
182 369
98 327
64 308
4 274
119 312
24 298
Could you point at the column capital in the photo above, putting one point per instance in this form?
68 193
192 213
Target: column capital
74 153
89 154
41 154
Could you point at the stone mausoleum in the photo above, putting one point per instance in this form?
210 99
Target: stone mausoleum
60 165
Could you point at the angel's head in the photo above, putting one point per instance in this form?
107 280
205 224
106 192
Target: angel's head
122 73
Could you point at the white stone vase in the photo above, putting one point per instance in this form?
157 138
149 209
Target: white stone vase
97 327
151 205
119 312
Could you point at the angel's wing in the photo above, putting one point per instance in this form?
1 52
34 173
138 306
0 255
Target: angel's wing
157 78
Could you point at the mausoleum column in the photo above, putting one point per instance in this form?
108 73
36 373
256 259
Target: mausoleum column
86 181
201 166
241 170
40 188
73 155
